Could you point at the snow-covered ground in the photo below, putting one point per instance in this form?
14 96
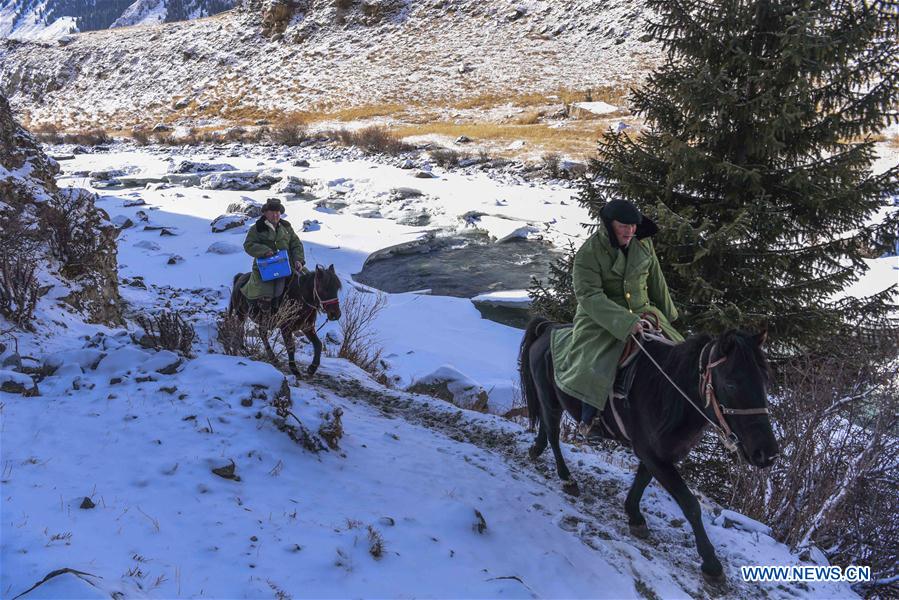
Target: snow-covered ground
342 237
420 499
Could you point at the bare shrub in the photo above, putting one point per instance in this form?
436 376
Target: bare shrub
47 133
375 543
52 134
235 134
290 131
379 140
359 344
73 222
141 137
331 428
167 330
231 332
374 139
19 256
446 157
242 337
528 118
165 138
551 161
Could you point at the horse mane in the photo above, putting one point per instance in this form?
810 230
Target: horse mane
680 362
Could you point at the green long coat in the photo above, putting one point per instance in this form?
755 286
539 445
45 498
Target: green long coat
261 240
613 289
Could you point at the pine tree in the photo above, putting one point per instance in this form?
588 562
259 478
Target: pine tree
756 161
555 299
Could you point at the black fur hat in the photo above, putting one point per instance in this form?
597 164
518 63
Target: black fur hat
273 204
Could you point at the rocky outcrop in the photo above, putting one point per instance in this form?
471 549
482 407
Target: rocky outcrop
62 231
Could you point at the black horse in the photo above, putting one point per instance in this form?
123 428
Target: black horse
313 292
725 378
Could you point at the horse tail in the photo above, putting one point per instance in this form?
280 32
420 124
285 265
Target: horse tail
534 330
232 305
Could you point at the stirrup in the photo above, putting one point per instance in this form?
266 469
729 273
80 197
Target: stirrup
584 429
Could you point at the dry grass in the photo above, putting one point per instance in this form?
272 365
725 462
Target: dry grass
613 94
577 138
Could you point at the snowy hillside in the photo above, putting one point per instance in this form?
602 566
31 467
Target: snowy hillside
49 20
266 58
147 474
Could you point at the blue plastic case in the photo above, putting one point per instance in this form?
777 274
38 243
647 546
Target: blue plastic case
275 267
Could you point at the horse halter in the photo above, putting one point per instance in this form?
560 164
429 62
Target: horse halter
319 303
707 391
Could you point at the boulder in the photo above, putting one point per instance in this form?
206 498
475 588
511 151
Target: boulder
12 382
447 383
228 221
238 180
404 193
189 166
147 245
122 222
246 206
224 248
290 185
185 179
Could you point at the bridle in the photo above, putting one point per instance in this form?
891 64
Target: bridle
707 391
317 304
320 304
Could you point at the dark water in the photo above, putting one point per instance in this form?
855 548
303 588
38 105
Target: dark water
464 267
461 267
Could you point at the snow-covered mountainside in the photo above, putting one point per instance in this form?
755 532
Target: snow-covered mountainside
271 56
52 19
144 473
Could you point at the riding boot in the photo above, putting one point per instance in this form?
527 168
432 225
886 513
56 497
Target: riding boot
588 414
264 307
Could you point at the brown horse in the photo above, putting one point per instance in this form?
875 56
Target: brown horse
314 292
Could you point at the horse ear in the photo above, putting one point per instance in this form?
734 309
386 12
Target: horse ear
319 269
331 268
726 341
761 338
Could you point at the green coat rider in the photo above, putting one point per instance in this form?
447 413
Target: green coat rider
616 278
270 234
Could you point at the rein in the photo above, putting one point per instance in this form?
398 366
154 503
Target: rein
707 390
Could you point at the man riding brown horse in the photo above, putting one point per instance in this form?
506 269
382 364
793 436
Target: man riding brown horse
265 238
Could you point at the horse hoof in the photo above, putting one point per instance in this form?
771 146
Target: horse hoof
534 452
295 371
311 370
714 576
639 531
570 487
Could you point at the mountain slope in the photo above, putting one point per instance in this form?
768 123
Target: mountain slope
51 19
266 58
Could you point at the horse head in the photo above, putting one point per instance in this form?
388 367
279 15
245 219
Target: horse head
735 378
327 286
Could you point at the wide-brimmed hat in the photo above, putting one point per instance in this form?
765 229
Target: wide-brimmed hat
273 204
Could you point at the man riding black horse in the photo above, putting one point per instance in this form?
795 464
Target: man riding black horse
617 280
270 234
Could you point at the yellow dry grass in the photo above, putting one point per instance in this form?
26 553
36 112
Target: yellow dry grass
576 139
